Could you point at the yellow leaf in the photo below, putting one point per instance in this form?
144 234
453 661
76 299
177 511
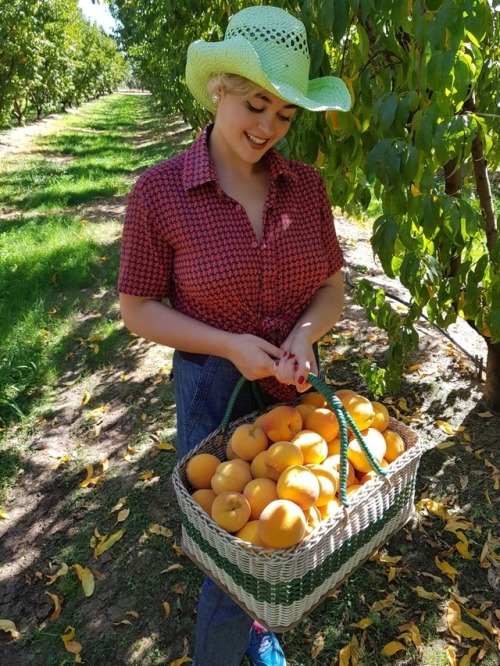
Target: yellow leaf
123 622
172 567
345 656
86 398
446 568
467 631
362 624
159 529
3 514
179 662
166 608
414 632
62 571
445 445
10 627
465 660
105 545
133 613
456 525
104 463
90 473
123 515
119 505
484 623
87 579
414 367
73 647
463 546
147 475
69 634
486 415
451 656
391 648
424 594
402 404
57 605
165 446
446 427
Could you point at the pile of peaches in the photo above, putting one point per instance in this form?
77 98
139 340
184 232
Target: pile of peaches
282 473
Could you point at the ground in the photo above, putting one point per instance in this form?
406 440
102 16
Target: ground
444 386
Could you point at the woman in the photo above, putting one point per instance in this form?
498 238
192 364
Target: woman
241 243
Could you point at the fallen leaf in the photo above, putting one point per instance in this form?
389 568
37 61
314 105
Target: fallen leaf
159 529
119 505
147 475
486 415
465 660
179 588
123 515
122 622
179 662
391 648
424 594
166 608
446 568
463 546
451 656
67 638
362 624
446 427
133 613
86 398
62 571
57 605
467 631
165 446
87 579
172 567
106 544
3 514
10 627
414 634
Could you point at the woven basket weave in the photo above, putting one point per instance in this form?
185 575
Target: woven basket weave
279 587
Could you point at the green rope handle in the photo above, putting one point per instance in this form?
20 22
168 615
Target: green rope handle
343 417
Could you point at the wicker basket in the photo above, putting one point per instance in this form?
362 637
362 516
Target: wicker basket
279 587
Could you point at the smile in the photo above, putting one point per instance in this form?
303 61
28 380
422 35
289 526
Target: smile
254 140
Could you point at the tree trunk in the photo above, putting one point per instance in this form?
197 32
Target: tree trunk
492 385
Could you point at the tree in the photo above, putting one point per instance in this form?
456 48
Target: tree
422 138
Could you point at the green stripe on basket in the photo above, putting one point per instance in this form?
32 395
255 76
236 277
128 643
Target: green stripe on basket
299 588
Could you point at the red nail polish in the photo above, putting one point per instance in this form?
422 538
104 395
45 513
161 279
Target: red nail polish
276 363
301 380
285 354
292 356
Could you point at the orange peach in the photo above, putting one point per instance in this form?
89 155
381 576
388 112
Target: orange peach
313 446
281 455
230 454
231 475
248 440
231 511
335 461
200 469
258 465
395 445
333 446
204 497
359 408
375 442
259 493
282 524
327 510
314 398
313 518
298 484
250 533
324 422
328 483
281 423
372 474
381 420
304 410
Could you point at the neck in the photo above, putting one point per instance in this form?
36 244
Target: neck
227 162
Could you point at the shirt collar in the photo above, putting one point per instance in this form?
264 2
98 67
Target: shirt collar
199 168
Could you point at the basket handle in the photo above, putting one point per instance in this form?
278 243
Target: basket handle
343 417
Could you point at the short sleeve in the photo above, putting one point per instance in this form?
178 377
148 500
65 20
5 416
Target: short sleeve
146 256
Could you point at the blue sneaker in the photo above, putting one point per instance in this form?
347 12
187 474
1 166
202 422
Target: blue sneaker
264 648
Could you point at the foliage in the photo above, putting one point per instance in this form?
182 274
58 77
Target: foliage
422 136
51 57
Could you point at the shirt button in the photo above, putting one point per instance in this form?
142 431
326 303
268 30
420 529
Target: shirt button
255 244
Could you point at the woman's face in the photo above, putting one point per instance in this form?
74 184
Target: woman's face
247 126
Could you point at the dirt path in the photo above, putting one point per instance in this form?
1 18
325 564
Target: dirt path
443 387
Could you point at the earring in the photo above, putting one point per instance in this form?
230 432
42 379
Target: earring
216 98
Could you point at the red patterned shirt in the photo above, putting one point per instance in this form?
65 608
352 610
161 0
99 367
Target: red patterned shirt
185 240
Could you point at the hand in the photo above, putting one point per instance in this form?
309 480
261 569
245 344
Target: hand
253 356
297 361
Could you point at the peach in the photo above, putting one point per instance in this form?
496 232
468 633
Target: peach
282 524
298 484
372 474
258 465
351 490
259 493
200 469
395 445
231 475
204 497
313 518
334 463
230 454
327 510
328 479
231 511
375 442
281 423
359 408
314 398
250 533
333 446
248 440
324 422
281 455
304 410
381 420
313 446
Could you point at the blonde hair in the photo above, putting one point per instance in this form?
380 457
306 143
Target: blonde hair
231 83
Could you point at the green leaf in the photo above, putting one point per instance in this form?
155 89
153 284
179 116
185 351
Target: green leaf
385 233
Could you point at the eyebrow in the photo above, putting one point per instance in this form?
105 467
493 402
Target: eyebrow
265 98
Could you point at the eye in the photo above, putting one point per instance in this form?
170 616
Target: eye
286 119
253 109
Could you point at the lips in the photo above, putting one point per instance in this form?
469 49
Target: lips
255 142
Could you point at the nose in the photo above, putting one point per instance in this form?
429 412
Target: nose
266 124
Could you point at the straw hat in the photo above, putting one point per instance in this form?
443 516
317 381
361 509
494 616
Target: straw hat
268 46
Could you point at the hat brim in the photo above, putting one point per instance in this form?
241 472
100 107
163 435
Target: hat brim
237 56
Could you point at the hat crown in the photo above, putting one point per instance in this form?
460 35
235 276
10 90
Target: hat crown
280 41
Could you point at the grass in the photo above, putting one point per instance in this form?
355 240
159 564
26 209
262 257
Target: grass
62 337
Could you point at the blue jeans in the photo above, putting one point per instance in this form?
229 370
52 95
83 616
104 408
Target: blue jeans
203 387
